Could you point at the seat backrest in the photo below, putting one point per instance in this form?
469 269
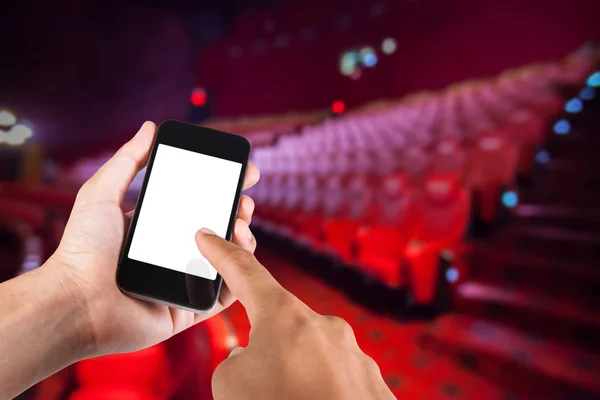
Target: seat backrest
443 209
414 162
145 369
121 393
393 197
336 193
293 191
360 195
387 160
449 156
493 160
277 191
41 195
313 193
32 214
525 126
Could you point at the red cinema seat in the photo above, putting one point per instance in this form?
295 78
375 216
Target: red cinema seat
284 185
574 69
442 210
529 92
309 222
543 101
195 354
260 194
414 160
28 213
335 199
44 196
300 165
288 195
346 193
276 191
302 182
358 209
449 156
146 369
112 393
442 206
56 386
290 206
380 247
274 206
493 164
221 338
359 205
527 130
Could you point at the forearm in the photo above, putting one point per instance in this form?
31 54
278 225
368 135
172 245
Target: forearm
41 329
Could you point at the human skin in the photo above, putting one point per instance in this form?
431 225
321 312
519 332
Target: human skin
71 308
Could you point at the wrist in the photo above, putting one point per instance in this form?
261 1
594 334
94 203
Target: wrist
66 295
43 328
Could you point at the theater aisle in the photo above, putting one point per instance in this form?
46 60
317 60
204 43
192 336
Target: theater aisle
410 372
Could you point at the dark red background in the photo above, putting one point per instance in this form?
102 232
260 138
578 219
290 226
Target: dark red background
439 43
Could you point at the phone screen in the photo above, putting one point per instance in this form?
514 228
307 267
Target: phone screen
186 191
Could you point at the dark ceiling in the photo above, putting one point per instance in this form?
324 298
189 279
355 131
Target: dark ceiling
86 71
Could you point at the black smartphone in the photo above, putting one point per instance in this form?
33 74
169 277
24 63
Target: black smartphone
194 180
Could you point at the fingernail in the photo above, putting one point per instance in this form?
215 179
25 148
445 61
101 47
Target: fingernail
249 234
207 231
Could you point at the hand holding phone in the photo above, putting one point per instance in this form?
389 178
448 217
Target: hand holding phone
85 263
293 352
194 179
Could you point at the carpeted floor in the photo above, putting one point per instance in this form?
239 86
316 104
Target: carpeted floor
411 372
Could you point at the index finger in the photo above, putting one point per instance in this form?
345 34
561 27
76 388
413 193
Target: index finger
246 278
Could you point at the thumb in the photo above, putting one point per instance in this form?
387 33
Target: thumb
247 279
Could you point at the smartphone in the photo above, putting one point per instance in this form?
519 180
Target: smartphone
194 180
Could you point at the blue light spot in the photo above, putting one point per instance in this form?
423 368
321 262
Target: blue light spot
542 157
587 93
510 199
562 127
594 79
574 106
370 60
452 274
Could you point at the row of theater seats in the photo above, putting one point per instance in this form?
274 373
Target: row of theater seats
386 191
27 231
180 368
32 220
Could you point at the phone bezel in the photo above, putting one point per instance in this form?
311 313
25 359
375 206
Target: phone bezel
163 285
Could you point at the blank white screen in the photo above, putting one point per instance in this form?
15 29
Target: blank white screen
186 191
